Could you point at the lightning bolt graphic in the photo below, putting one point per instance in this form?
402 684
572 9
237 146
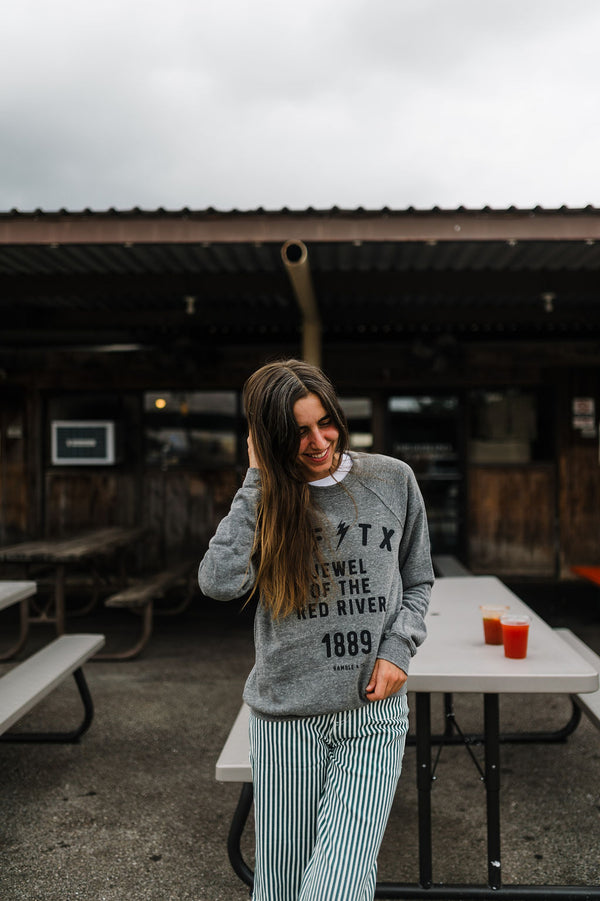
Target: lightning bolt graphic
341 531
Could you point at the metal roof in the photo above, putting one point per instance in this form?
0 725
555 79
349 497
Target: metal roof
150 258
75 276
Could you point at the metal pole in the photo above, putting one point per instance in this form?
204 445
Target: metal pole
424 786
492 786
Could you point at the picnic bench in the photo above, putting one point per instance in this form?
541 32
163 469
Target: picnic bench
88 549
139 596
589 702
26 684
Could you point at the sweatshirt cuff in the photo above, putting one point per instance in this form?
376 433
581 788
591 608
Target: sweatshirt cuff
252 478
396 650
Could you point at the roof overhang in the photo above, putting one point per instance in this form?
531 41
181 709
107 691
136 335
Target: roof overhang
334 225
210 277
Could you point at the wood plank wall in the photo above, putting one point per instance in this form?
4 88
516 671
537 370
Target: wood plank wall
512 520
579 468
89 499
13 469
181 508
535 519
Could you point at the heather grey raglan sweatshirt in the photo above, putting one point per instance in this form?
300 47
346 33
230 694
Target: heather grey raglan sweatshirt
376 580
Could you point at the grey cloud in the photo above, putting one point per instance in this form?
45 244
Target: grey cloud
347 102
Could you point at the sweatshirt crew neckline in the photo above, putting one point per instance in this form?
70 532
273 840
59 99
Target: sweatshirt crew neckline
344 468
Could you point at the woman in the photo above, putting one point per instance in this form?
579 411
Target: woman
336 545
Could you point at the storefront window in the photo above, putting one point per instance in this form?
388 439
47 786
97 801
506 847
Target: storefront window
510 426
359 413
423 431
191 428
206 428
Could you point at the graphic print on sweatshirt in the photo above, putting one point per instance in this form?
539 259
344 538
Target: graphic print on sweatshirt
347 590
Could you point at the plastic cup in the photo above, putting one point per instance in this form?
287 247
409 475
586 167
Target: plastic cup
492 629
515 632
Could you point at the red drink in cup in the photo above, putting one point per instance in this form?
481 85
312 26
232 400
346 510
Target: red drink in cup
492 629
515 632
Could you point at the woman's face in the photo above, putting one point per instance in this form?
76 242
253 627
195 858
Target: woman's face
318 438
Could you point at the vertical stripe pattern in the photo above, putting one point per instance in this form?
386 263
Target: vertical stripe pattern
323 789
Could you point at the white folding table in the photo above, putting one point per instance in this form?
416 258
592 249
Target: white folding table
454 658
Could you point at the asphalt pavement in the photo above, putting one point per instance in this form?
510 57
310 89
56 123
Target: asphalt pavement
133 812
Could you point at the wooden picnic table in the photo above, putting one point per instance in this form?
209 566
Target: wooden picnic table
86 548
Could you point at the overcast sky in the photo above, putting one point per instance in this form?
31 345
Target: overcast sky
239 104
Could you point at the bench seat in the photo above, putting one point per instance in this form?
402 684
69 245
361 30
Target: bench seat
588 702
233 764
143 591
140 596
13 592
27 683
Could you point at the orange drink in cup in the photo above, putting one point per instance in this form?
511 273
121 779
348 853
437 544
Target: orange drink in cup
492 630
515 633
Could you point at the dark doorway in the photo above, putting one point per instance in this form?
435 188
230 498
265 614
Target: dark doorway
423 430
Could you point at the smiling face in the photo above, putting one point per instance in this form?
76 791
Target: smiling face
318 438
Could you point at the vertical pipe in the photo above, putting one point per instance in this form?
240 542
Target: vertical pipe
295 258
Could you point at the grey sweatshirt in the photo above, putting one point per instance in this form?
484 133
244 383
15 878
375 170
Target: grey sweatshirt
376 580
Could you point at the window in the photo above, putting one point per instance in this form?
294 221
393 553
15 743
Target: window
197 429
359 411
423 430
510 426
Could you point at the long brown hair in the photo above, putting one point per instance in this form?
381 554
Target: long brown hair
285 549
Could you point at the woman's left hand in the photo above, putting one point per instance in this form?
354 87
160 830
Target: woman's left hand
386 679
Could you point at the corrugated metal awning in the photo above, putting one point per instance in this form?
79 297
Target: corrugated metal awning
70 276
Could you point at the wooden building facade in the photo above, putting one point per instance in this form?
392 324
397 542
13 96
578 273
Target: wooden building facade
465 342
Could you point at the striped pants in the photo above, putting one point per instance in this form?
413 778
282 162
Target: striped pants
323 789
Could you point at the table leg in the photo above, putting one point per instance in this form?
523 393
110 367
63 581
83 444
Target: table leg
493 891
448 717
234 838
61 737
492 786
423 702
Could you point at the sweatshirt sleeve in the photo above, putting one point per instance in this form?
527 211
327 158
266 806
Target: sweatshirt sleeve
408 630
226 571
